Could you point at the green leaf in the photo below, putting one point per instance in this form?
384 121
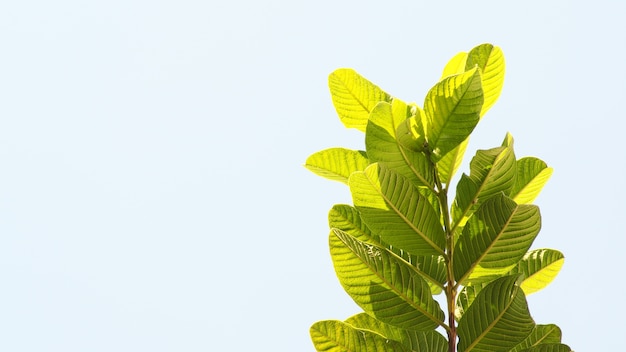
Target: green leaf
383 146
416 341
492 172
347 219
553 347
541 334
455 66
532 175
411 133
452 109
337 163
354 97
539 267
337 336
497 320
490 60
466 297
449 164
432 268
383 284
395 210
495 238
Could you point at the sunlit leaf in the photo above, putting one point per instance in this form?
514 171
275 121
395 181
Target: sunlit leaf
452 109
449 164
541 334
455 66
492 172
495 238
553 347
532 175
466 297
539 267
383 146
337 163
348 219
337 336
394 209
354 97
411 133
416 341
383 284
490 60
497 320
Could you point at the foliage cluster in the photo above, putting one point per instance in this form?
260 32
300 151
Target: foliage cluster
403 241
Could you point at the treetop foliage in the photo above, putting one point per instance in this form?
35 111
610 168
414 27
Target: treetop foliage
403 240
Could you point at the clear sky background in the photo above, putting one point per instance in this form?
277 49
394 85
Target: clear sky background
152 194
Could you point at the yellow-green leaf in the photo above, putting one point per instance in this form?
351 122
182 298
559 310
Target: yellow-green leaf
492 172
455 66
450 163
452 109
497 320
348 219
539 267
490 60
383 284
495 238
354 97
394 209
532 175
541 334
383 145
337 336
416 341
337 163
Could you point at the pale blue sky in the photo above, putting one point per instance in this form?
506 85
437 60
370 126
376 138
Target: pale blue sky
152 194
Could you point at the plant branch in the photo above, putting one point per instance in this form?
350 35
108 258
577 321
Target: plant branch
451 287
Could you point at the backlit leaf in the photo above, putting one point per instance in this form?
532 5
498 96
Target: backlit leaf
490 60
498 319
337 163
541 334
532 175
553 347
337 336
383 146
455 66
394 209
495 238
416 341
347 219
452 109
539 267
492 172
354 97
384 285
449 164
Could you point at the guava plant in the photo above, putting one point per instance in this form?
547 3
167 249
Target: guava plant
405 240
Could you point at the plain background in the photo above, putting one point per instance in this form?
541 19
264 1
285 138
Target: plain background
152 194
